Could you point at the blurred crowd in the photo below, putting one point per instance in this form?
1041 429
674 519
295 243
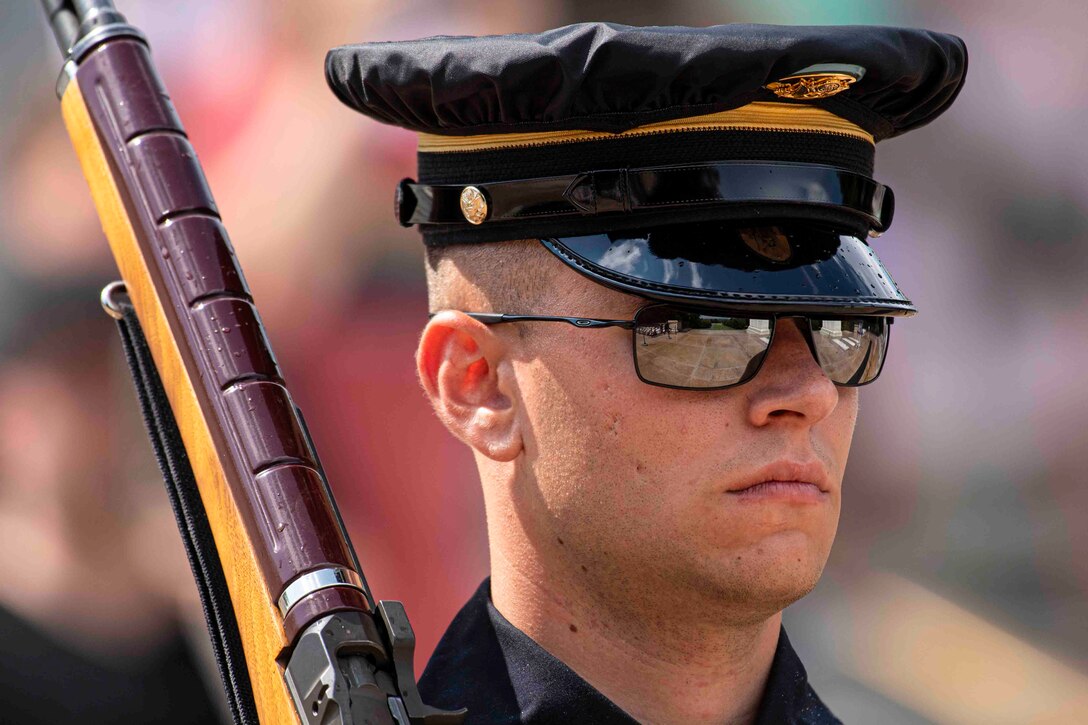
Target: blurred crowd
958 588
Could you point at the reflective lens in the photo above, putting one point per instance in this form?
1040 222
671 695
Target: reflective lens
691 350
850 351
685 349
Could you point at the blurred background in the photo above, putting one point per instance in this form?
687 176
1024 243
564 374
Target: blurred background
958 587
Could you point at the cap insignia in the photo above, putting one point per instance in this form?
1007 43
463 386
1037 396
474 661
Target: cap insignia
817 85
817 81
473 205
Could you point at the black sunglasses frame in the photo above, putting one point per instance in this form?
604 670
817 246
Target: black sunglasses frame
591 323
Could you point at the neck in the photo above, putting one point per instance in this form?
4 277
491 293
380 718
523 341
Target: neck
656 663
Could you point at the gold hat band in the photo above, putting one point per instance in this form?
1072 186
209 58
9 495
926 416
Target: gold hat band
758 116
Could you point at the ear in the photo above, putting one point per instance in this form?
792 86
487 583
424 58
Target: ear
464 371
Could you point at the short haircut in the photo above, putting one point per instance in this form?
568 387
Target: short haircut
510 277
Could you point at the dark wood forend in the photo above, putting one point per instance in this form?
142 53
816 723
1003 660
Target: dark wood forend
266 456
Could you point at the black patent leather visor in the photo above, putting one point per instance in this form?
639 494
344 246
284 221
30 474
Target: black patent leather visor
770 267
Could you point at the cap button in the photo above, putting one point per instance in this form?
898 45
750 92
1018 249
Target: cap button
473 205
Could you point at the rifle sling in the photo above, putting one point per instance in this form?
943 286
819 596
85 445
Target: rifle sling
191 518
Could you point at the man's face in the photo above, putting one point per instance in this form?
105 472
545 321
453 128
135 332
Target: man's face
634 488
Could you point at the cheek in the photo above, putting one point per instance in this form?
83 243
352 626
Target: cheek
833 435
595 437
610 448
572 417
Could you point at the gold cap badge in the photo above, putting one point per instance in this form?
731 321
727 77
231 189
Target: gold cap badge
817 81
473 205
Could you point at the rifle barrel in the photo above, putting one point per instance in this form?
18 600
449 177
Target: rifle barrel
63 21
300 600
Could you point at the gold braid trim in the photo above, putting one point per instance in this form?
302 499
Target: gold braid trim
759 116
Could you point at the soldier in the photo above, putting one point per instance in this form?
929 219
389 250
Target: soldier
653 301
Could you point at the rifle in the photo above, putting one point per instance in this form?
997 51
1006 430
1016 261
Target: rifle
297 634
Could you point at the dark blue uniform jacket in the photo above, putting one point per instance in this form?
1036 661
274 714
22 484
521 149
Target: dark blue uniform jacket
503 677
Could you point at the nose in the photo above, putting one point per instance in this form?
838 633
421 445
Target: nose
790 386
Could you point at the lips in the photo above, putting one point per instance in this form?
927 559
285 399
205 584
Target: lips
784 478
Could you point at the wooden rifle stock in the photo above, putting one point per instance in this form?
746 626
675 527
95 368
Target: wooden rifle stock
316 647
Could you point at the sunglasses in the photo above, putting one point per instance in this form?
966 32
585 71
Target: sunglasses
691 349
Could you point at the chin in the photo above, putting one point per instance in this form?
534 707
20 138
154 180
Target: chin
768 575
